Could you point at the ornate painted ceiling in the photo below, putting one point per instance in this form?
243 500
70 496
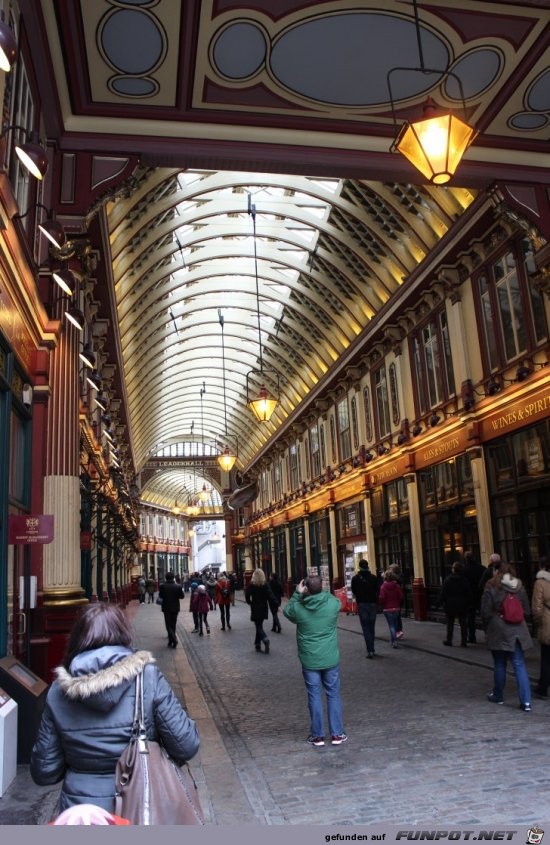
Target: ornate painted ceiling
284 107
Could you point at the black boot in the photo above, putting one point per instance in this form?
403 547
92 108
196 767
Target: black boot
266 646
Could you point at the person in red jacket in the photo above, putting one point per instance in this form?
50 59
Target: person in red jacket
223 599
391 599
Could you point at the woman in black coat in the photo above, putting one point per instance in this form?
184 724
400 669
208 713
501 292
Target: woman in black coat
89 710
456 598
258 595
277 590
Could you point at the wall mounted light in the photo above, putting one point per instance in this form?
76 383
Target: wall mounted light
94 380
382 449
434 419
101 400
75 316
436 143
264 403
368 456
50 227
65 279
417 429
87 356
30 153
468 394
8 46
523 371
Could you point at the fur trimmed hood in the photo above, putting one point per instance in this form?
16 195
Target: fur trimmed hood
543 574
100 677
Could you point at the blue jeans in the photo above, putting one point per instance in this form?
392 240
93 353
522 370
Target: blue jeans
517 659
330 680
367 618
392 618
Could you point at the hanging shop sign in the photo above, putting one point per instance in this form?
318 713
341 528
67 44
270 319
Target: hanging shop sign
30 528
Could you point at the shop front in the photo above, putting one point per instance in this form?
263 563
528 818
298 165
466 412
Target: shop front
518 471
320 551
448 513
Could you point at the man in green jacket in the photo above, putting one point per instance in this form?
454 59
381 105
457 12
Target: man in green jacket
315 611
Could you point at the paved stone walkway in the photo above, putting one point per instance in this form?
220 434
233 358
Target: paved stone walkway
425 747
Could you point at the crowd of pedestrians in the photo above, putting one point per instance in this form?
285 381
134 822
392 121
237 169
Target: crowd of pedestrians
100 666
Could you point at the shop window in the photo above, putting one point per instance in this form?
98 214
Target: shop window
314 451
501 463
529 453
382 402
397 499
19 458
378 515
344 430
433 363
351 520
464 476
511 310
427 489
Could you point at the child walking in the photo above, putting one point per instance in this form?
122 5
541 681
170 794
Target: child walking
202 603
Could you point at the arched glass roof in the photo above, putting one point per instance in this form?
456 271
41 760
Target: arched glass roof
328 254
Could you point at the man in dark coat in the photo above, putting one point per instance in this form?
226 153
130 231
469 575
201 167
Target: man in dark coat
170 592
473 572
364 586
456 598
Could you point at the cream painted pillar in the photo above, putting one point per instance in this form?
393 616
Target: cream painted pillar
483 511
61 562
419 594
371 549
287 552
416 527
307 543
228 545
460 342
333 541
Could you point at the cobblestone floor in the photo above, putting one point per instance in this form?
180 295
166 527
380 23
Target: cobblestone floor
424 747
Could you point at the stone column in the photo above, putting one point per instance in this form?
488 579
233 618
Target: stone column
61 574
483 511
229 564
419 597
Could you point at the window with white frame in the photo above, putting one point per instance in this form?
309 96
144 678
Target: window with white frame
432 360
315 451
344 430
511 309
323 444
277 480
382 402
293 460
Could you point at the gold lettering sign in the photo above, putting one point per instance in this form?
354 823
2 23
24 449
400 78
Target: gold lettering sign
440 450
516 416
